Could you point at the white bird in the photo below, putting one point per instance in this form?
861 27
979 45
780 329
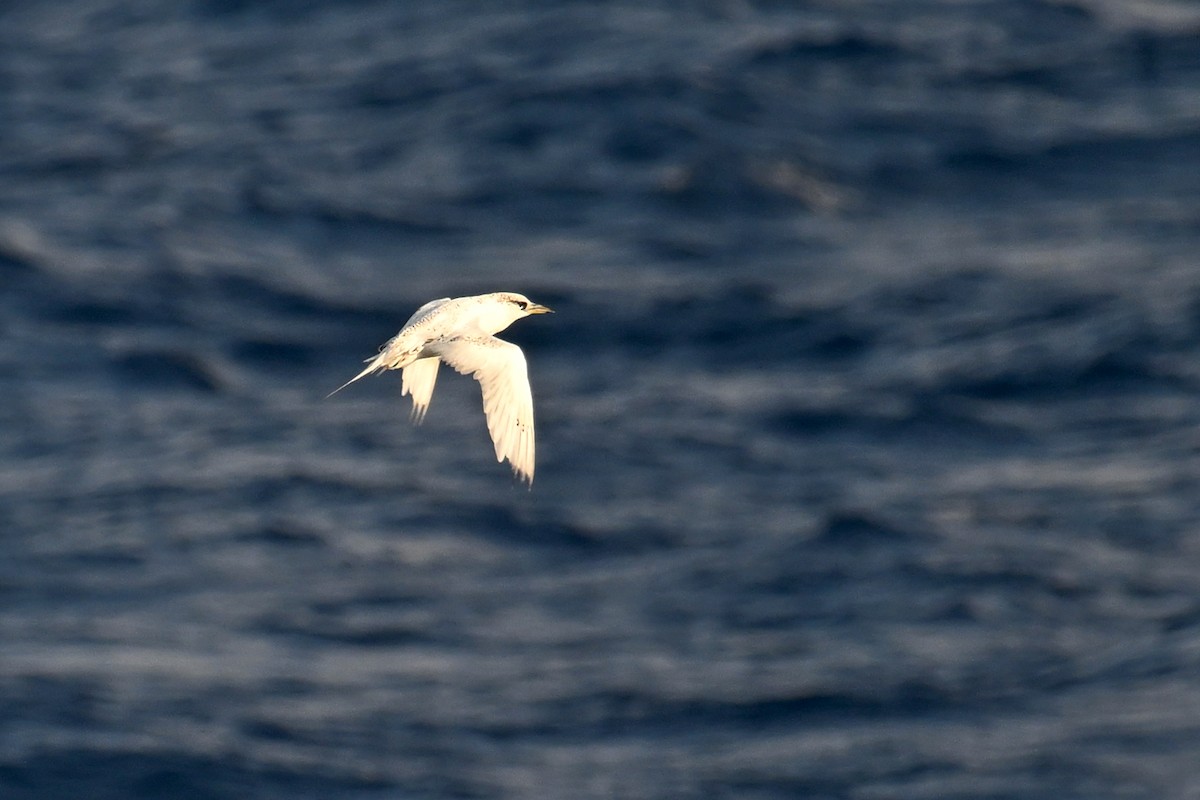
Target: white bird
459 332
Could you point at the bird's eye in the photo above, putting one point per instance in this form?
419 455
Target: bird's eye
521 304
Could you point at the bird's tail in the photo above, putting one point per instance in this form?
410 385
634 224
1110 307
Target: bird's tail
375 365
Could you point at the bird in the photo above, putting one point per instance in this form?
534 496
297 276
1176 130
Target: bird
459 331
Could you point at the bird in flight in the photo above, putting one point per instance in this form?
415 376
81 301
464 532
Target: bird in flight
459 332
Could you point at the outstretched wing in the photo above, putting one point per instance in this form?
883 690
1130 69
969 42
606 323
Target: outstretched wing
499 367
419 378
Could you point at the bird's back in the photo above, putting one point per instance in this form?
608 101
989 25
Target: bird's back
426 313
449 318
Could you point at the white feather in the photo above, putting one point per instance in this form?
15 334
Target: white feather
499 367
418 380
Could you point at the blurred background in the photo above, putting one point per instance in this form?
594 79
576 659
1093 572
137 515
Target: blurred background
868 429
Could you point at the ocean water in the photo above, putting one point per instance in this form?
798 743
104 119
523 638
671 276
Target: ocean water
868 424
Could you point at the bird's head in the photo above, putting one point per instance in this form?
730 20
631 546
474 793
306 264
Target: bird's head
502 309
520 305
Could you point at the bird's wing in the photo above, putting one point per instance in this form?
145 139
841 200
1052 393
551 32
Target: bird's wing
425 309
499 367
419 378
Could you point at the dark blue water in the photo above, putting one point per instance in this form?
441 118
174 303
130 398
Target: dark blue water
868 424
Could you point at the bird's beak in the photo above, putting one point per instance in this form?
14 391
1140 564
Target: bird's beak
534 308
